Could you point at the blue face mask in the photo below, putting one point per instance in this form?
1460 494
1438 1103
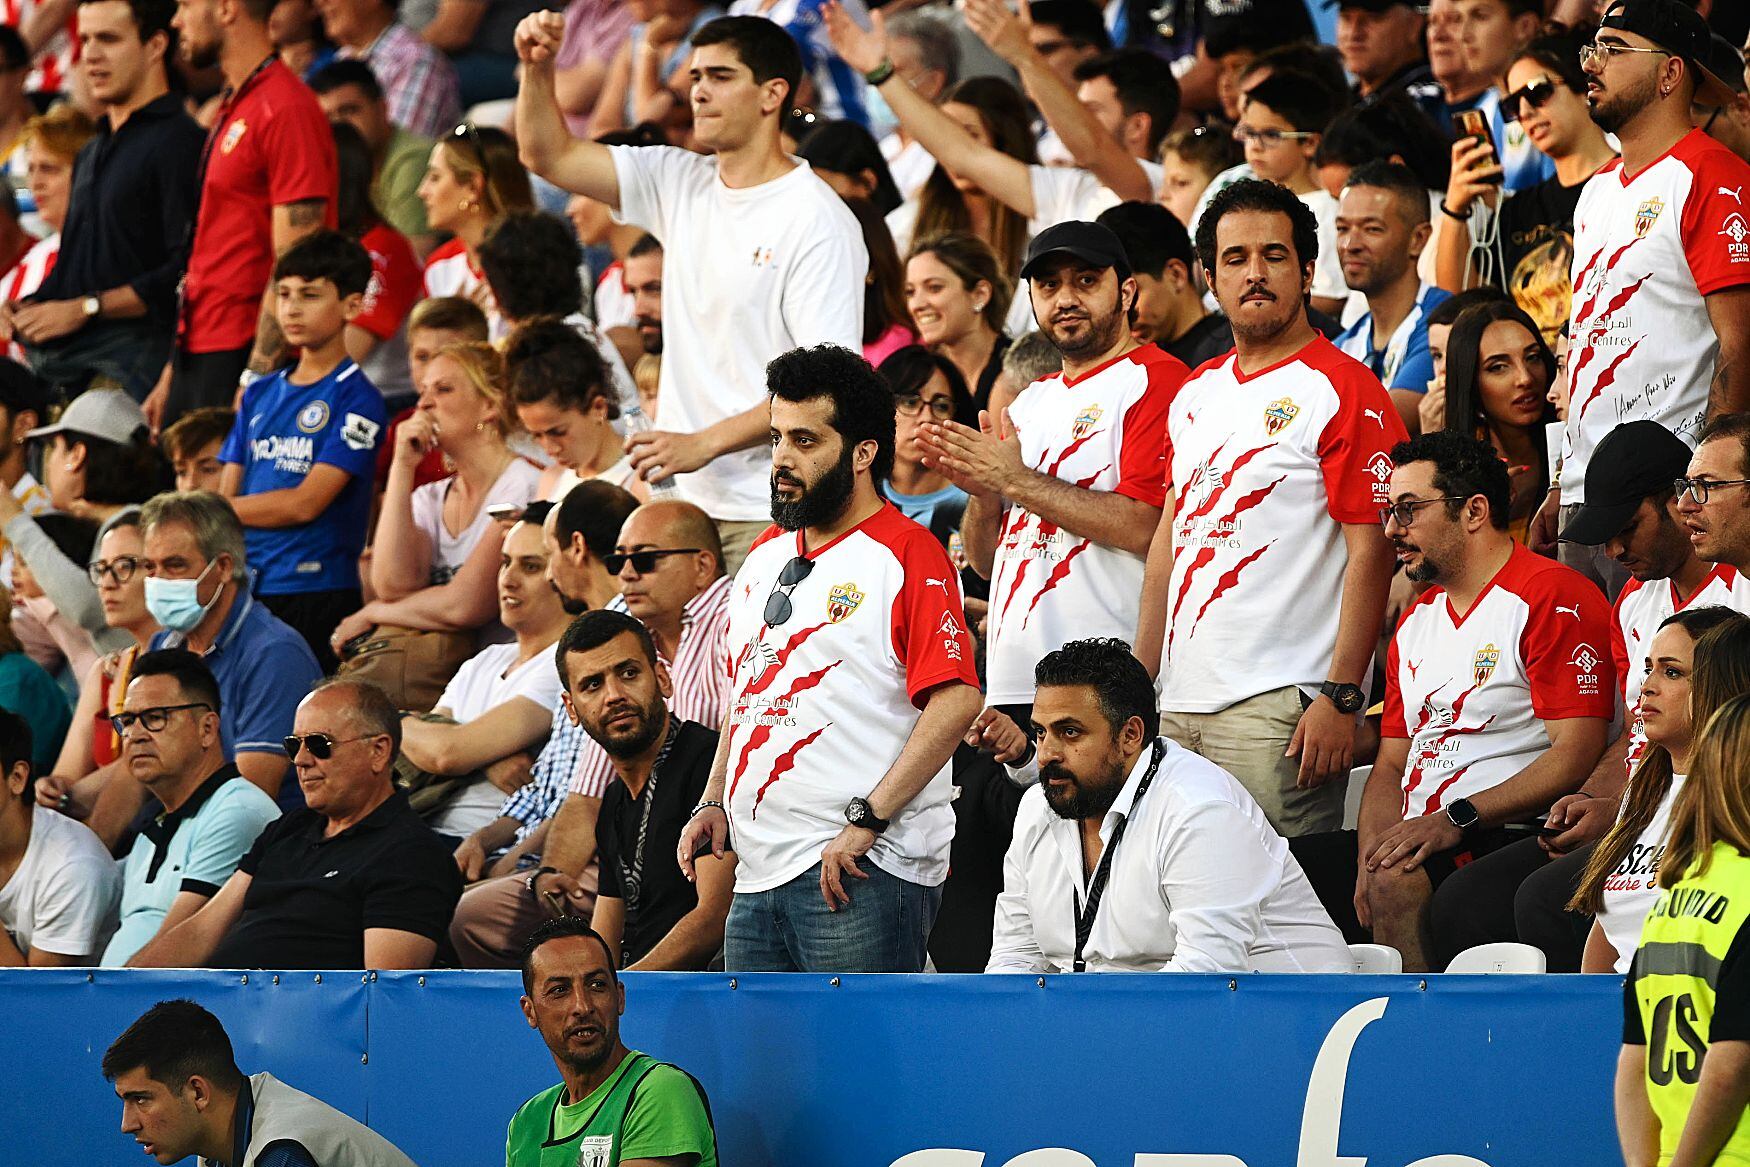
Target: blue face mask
175 603
882 120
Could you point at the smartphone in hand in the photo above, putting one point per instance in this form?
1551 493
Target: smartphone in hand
1474 123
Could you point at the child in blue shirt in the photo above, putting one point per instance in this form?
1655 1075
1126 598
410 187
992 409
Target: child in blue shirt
300 457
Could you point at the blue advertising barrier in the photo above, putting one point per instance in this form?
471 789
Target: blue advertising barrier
865 1071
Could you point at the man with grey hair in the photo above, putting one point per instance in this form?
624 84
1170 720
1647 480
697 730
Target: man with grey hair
1031 358
355 879
926 54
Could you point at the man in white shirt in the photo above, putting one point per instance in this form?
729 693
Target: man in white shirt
1065 489
58 886
760 255
1133 854
1499 689
852 684
1267 576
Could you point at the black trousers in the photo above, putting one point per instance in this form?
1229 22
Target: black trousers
314 616
1517 893
201 379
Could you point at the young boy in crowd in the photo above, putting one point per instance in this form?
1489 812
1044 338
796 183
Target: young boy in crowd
193 445
300 458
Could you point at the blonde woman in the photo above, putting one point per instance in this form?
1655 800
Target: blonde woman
472 181
51 141
435 558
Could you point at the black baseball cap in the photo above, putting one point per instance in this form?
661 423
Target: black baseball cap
1727 63
1634 462
1678 29
1089 242
1372 5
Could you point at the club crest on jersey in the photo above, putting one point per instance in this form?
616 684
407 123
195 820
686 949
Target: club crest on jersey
1647 215
1278 414
1085 421
1483 665
841 601
596 1151
313 416
1737 234
233 134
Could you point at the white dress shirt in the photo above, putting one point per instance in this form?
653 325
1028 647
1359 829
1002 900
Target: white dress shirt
1200 882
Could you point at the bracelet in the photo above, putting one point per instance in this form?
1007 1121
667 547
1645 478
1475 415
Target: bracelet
1452 214
535 877
704 805
880 73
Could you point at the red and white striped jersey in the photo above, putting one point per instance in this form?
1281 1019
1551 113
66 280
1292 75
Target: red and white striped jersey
822 704
27 276
1471 692
1640 609
52 67
1648 250
1104 431
1265 469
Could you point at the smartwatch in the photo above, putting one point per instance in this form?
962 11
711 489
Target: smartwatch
1347 698
1462 814
859 813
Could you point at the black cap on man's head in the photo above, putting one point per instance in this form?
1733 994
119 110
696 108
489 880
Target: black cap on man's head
1091 243
1678 29
1634 462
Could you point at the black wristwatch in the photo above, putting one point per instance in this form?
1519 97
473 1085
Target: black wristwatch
1347 698
1461 814
859 813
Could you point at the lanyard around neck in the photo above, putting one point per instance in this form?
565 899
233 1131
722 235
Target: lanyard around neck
1085 913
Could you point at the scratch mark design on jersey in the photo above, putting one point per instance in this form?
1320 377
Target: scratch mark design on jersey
1426 751
1593 327
1483 668
1055 578
779 710
1647 215
1085 421
1279 414
785 763
1227 524
842 601
1228 579
1434 800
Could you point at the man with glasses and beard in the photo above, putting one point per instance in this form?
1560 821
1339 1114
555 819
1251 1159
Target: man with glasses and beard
1065 488
1175 868
852 683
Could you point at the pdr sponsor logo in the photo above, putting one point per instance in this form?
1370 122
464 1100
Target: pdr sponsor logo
1737 235
1585 661
1379 469
1320 1121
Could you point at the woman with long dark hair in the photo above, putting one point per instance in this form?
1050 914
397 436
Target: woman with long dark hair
1498 374
959 299
848 158
887 325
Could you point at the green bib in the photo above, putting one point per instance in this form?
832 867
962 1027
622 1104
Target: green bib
546 1132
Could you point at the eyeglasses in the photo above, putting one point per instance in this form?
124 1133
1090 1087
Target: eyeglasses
778 608
1697 488
467 133
1536 94
1269 138
912 404
320 745
1405 512
154 719
643 562
121 569
1598 52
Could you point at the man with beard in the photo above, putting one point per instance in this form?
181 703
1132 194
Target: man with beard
1178 869
852 681
614 1105
1065 488
268 178
618 689
1660 325
1498 697
642 276
1267 576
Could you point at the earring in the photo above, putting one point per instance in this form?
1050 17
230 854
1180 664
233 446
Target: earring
470 204
979 307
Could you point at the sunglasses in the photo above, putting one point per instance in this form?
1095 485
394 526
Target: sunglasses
778 606
320 745
154 719
467 133
121 569
643 562
1535 94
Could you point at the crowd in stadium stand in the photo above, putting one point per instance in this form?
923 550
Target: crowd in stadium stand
819 487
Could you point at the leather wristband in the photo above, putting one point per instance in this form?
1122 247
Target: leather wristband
707 803
1452 214
535 876
880 73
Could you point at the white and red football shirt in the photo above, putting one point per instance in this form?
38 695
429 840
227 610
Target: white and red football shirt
1648 249
1640 609
26 276
1103 431
822 704
395 282
1471 692
1265 469
52 64
449 271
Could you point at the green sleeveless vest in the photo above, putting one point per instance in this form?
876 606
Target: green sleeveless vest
543 1134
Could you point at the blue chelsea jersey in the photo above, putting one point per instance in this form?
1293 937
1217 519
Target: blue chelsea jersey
281 433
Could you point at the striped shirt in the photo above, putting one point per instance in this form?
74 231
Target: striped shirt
419 81
26 277
699 672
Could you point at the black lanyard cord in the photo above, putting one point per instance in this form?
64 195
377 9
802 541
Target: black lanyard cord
1085 914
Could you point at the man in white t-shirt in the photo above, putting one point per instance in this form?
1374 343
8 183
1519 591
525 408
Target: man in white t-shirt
852 681
58 886
497 709
760 255
1133 854
1065 489
1267 576
1661 315
1499 689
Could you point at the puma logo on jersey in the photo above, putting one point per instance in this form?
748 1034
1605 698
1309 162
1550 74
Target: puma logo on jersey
936 583
1376 416
1735 193
1574 611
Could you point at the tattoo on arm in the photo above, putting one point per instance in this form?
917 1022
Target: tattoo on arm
302 216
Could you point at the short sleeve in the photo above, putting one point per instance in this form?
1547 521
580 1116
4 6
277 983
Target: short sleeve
667 1118
1417 368
77 907
251 861
650 179
236 447
427 506
1569 676
396 283
1716 222
414 891
1142 449
1634 1030
1060 193
1731 1020
1392 722
929 625
823 292
1355 446
298 148
607 851
1619 640
261 704
224 838
355 426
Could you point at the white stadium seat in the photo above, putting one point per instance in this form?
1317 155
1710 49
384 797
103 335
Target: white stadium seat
1377 958
1499 958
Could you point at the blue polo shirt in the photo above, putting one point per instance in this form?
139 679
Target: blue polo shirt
1405 362
193 848
281 433
263 669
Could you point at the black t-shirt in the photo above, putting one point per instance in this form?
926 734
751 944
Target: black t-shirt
1211 337
310 899
655 892
1537 250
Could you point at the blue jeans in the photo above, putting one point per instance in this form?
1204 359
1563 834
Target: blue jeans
789 929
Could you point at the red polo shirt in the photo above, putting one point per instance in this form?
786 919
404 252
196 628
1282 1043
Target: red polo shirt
269 146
